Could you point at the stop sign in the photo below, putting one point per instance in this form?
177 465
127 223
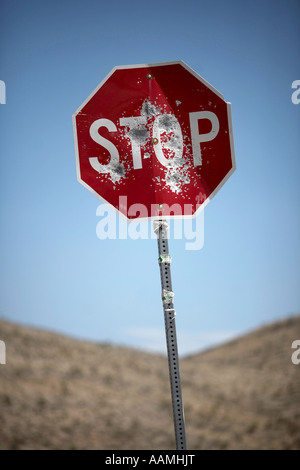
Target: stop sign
154 138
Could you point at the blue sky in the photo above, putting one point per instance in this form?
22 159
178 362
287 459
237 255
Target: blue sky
55 272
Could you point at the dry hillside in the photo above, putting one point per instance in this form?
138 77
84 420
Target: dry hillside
61 393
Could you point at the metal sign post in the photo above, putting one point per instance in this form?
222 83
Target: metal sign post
160 228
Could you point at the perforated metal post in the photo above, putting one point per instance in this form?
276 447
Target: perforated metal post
160 228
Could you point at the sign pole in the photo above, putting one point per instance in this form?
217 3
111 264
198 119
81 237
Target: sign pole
160 228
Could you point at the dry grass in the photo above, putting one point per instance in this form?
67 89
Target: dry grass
61 393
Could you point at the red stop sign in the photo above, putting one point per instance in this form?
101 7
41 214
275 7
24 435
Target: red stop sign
154 137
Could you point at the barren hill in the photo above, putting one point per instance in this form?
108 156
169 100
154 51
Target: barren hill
61 393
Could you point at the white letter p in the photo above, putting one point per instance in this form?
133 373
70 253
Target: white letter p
197 138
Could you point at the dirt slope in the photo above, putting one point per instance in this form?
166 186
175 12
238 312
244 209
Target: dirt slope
61 393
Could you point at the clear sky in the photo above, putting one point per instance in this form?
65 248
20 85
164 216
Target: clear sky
55 272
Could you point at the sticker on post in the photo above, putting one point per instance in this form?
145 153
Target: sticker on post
167 296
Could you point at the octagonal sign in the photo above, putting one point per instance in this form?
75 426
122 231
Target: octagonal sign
154 139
